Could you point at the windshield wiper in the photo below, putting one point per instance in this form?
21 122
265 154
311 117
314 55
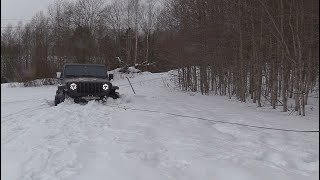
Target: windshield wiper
70 75
84 75
92 76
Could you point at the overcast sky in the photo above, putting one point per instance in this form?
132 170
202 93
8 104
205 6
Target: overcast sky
21 9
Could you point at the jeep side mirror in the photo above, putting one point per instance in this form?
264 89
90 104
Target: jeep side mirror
110 76
58 75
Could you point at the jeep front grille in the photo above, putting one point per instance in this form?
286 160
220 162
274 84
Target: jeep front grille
89 88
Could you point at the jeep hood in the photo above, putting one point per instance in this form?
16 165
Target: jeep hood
86 79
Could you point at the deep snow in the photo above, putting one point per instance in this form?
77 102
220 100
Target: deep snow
96 141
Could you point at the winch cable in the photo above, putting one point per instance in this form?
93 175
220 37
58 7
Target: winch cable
210 120
217 121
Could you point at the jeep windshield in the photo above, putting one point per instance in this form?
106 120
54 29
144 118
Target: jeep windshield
85 71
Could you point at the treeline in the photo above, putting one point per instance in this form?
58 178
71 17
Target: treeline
83 31
250 49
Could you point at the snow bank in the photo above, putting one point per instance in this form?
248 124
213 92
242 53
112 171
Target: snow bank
127 70
12 85
112 141
130 72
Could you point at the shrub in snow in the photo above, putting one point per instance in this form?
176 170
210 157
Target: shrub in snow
12 85
121 73
128 70
4 80
41 82
133 70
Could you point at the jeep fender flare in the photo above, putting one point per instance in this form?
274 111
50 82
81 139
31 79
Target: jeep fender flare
114 87
61 90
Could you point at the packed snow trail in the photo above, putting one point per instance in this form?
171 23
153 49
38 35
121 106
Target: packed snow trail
96 141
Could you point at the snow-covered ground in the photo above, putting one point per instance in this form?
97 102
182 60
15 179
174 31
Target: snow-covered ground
98 142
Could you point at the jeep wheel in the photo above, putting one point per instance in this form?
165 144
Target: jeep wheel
57 100
103 99
115 95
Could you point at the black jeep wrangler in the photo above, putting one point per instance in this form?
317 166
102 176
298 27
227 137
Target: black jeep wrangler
84 82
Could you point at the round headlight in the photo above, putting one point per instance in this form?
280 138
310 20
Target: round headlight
105 87
73 86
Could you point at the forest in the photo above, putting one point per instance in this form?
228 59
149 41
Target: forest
254 50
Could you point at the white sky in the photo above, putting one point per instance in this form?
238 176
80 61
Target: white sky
21 9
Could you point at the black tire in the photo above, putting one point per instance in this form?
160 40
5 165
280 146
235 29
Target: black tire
57 100
76 100
104 99
115 95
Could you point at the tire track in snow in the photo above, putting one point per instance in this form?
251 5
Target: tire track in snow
76 127
10 131
263 147
18 101
94 124
55 158
253 149
243 149
28 110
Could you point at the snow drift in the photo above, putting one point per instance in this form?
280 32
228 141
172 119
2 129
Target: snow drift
110 141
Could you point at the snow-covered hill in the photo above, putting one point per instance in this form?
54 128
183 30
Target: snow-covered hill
118 141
